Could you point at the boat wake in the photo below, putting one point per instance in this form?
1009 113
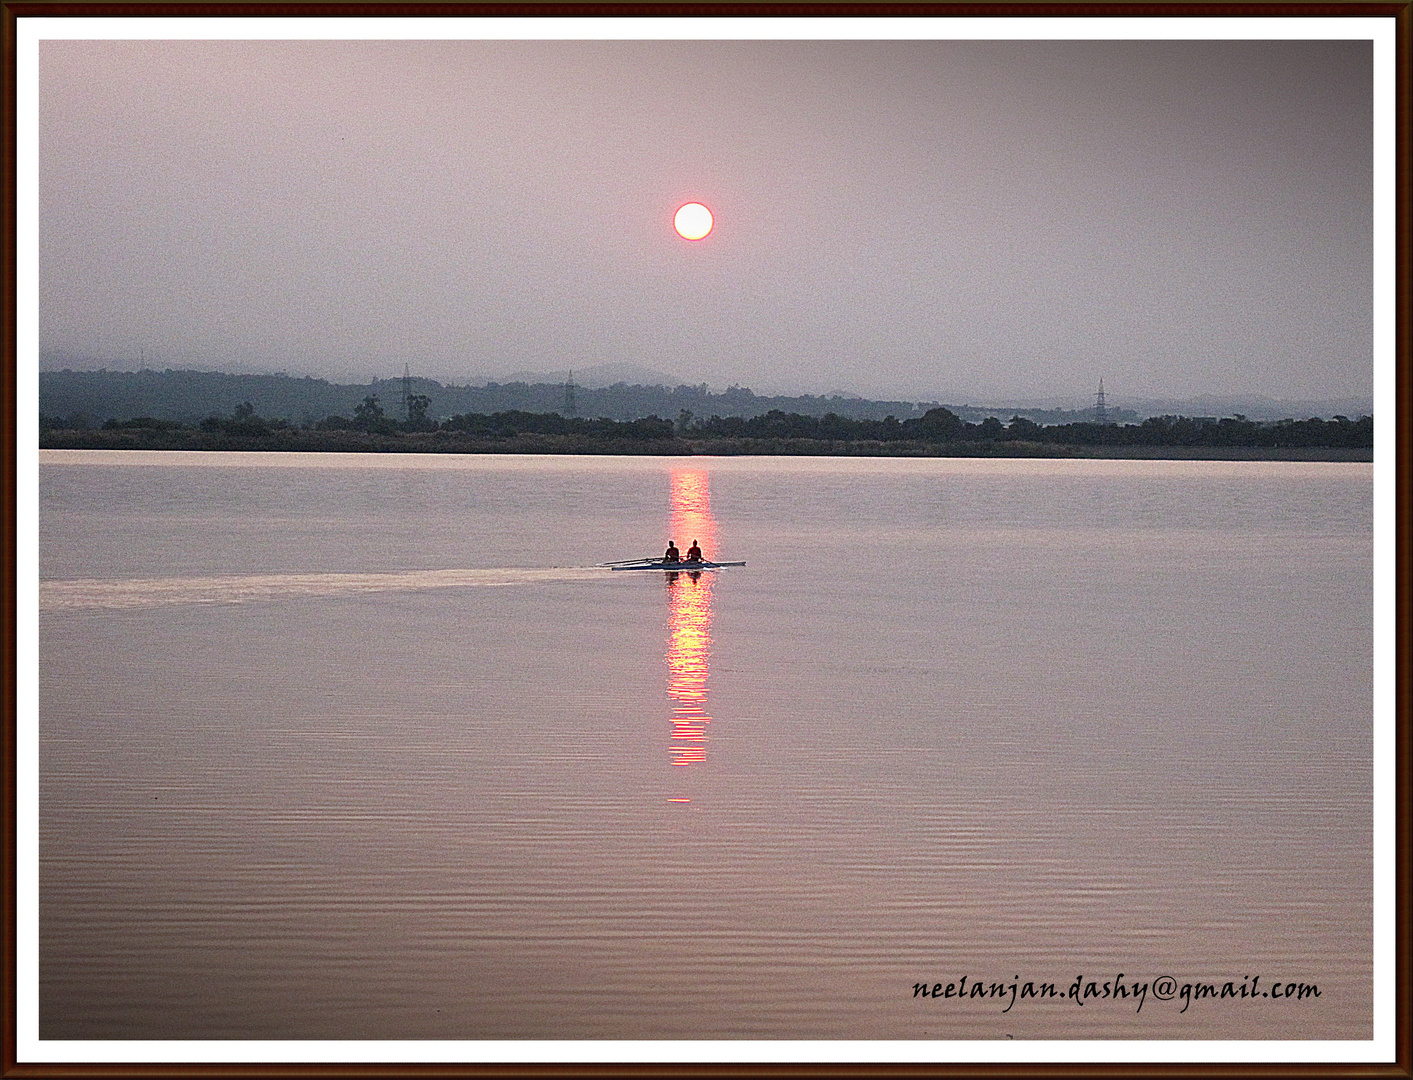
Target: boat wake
88 594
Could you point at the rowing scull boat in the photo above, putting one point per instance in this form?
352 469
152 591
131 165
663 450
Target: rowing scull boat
674 567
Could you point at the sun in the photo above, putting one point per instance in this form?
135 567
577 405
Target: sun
692 221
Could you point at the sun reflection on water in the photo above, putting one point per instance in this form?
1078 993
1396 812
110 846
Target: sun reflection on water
689 619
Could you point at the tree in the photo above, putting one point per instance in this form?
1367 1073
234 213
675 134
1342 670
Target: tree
937 424
368 416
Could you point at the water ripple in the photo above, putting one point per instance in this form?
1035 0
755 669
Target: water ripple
82 594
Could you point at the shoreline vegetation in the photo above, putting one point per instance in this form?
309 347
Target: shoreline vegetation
939 433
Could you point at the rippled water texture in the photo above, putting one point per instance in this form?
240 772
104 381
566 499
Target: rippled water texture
368 747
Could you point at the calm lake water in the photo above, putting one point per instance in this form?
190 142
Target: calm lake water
366 747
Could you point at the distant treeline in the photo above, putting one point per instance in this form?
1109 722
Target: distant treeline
942 425
938 427
85 399
369 418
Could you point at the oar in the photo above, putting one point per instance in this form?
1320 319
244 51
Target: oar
627 562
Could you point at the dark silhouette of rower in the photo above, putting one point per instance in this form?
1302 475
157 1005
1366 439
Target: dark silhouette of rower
694 553
673 555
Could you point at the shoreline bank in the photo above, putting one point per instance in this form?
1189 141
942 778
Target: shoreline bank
455 443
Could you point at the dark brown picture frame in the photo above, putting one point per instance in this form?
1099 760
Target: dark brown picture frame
15 11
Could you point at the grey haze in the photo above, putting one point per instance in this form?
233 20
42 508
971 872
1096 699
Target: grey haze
951 220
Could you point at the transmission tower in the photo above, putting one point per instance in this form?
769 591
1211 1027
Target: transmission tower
1101 415
570 408
406 392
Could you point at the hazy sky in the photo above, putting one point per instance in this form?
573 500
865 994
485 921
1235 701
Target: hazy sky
954 219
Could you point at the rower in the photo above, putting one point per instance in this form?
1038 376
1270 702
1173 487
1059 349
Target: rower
673 555
694 553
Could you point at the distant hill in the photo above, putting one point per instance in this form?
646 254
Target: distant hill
190 396
594 377
91 397
95 396
1122 407
1255 407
